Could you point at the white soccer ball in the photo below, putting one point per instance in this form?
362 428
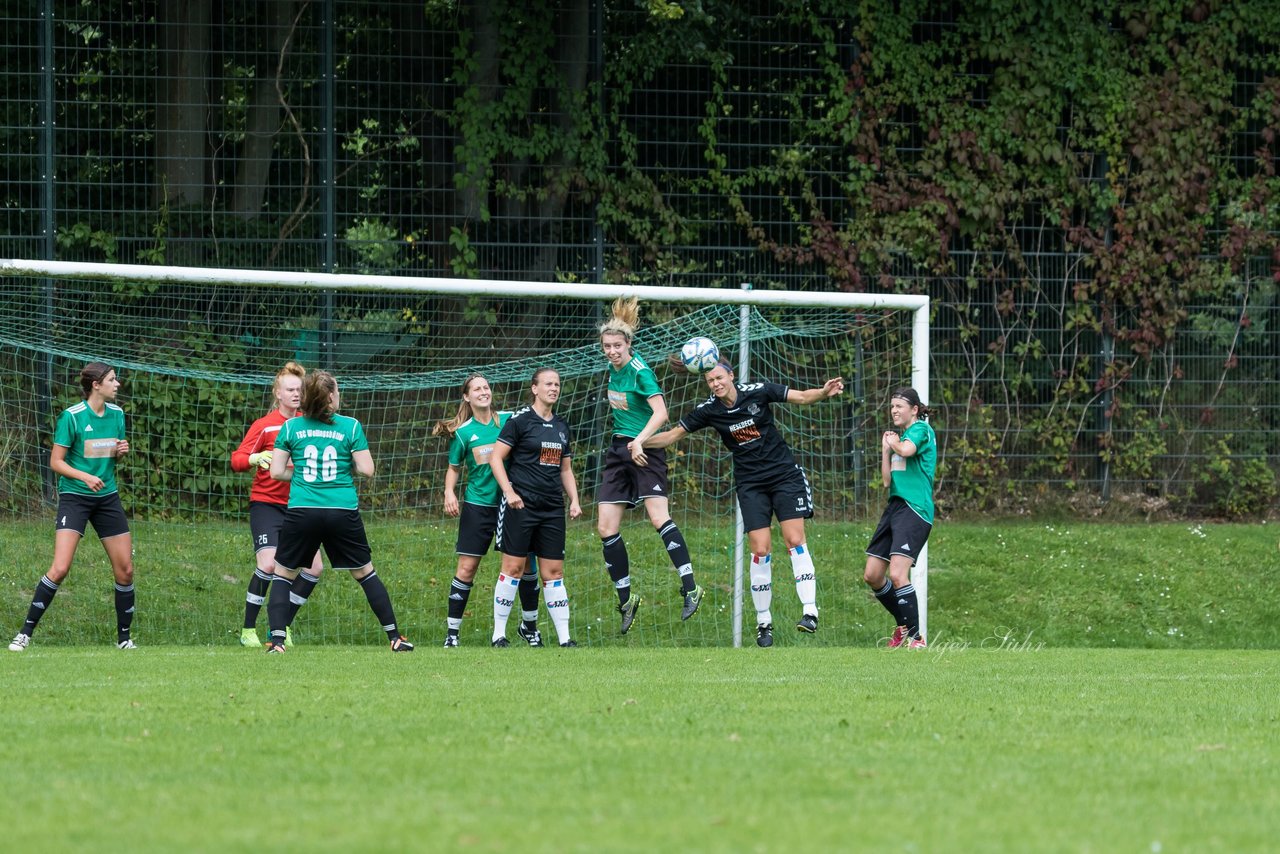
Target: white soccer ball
699 355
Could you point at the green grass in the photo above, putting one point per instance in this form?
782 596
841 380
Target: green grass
1093 585
353 748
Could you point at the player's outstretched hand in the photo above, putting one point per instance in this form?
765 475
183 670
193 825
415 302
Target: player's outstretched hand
262 460
833 386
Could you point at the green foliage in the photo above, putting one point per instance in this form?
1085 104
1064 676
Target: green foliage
81 236
1233 485
1088 189
181 465
464 258
376 245
1135 453
973 474
959 133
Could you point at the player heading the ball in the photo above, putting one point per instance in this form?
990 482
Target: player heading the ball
768 480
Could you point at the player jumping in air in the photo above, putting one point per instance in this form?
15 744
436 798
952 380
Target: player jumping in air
769 483
630 476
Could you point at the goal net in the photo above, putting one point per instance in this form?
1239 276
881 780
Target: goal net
197 349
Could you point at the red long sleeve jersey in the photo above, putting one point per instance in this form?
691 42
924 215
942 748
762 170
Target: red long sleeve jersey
262 437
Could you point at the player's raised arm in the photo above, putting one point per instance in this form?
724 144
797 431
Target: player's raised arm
829 389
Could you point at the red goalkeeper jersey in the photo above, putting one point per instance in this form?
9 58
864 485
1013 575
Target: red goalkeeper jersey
262 437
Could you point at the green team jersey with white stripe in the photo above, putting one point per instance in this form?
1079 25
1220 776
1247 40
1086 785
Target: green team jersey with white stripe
473 444
911 478
90 440
630 388
321 455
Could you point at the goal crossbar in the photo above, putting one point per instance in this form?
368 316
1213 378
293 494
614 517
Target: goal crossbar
917 304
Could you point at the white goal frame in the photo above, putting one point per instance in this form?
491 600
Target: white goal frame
918 305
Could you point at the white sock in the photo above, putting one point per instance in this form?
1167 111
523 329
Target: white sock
556 598
504 599
806 583
762 587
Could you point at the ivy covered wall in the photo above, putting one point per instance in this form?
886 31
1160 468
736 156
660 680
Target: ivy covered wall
1088 190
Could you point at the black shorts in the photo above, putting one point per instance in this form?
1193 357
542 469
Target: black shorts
531 532
789 498
105 512
624 482
900 532
476 526
265 521
306 529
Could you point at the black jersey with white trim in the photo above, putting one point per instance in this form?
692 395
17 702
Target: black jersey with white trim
747 430
537 448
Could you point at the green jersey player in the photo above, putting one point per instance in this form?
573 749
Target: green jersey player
324 448
474 429
908 455
631 476
87 442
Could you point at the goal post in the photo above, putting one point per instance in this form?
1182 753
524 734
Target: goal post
226 330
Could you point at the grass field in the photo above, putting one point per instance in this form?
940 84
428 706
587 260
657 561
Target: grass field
332 748
1088 687
1068 584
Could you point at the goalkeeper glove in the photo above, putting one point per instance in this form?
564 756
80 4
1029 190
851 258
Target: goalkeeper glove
262 459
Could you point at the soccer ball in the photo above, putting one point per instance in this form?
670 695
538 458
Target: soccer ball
699 355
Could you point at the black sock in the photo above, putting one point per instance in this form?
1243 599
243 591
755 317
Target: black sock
380 601
619 566
278 607
909 608
678 551
889 601
40 602
529 595
124 611
259 584
302 587
459 592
